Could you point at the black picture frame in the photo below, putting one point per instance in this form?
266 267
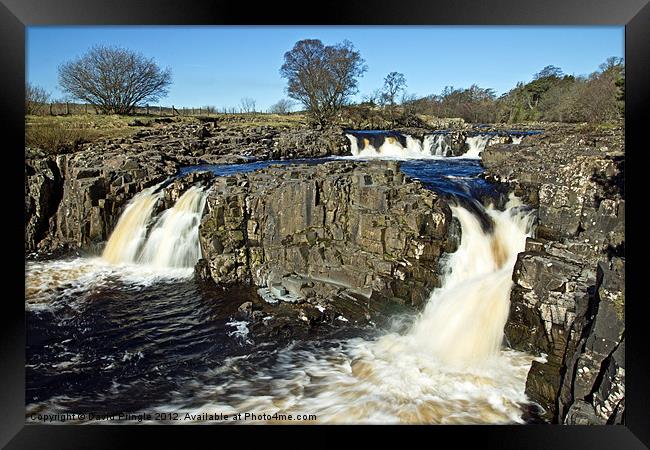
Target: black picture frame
15 15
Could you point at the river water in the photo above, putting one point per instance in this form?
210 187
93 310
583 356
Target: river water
136 334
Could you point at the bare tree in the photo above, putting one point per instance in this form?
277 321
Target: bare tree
35 99
248 105
282 106
113 79
373 98
394 83
322 77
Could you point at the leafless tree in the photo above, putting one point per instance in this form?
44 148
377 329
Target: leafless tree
247 105
283 106
35 99
394 83
114 79
322 77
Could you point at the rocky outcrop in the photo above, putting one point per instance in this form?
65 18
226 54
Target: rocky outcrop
310 144
568 297
86 194
72 201
209 142
307 233
43 191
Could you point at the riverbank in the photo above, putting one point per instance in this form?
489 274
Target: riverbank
568 301
354 238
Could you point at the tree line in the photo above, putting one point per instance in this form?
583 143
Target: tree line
551 96
324 79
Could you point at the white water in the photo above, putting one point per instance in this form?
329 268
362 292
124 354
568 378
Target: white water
448 368
430 147
174 239
437 143
476 145
64 283
434 145
463 321
131 229
168 253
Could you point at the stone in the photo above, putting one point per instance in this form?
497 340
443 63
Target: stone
568 299
318 224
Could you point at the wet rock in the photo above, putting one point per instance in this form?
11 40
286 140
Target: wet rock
568 296
43 191
310 232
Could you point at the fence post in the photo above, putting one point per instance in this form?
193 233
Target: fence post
67 108
147 108
50 109
85 108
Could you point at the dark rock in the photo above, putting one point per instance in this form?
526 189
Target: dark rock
309 231
568 298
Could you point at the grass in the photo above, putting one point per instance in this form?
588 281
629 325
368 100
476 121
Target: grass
62 134
46 134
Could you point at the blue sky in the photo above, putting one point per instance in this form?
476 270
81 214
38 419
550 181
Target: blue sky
217 65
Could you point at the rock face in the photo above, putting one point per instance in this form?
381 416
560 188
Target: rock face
307 233
211 143
72 201
568 299
310 144
77 198
43 191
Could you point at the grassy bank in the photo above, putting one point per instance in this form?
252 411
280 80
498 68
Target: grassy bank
67 133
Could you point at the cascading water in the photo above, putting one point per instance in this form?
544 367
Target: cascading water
476 144
439 144
131 229
449 367
430 146
433 145
463 321
174 239
354 144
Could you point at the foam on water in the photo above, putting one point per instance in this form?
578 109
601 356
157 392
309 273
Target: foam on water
448 368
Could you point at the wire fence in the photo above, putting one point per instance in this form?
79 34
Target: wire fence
62 109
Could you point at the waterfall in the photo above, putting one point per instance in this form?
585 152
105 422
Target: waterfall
476 145
432 145
354 144
463 321
449 367
440 145
131 229
174 239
